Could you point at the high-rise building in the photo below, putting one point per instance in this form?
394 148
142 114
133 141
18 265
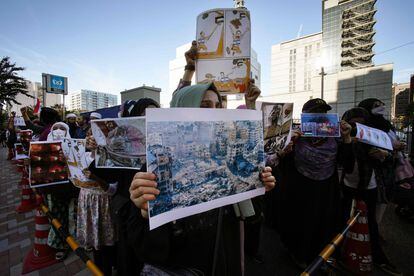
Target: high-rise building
401 99
88 100
336 64
347 34
176 71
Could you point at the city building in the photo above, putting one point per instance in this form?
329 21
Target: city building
88 100
335 65
141 92
176 71
401 99
348 34
35 90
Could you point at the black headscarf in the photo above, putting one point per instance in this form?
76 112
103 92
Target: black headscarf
133 108
48 116
376 121
356 112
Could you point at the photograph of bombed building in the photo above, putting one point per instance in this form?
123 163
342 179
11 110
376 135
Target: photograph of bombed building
198 162
277 124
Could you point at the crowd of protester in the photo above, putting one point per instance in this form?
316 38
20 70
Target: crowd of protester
317 179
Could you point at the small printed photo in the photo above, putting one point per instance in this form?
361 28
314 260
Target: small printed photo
121 142
47 164
277 122
320 125
20 151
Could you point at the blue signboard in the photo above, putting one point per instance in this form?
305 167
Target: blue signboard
57 82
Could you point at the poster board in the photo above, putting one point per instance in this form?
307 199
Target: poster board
121 142
373 136
47 164
277 125
320 125
202 162
224 49
77 160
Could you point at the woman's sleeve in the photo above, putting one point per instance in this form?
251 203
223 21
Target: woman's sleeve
109 175
346 157
35 128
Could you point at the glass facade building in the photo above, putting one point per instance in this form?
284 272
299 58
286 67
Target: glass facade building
348 31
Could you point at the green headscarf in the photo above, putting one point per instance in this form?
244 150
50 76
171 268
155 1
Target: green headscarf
191 96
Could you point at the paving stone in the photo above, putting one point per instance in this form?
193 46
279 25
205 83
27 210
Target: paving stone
16 270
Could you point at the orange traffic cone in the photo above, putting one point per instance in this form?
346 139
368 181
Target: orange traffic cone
28 201
42 255
356 250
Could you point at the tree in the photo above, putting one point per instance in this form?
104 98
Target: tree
11 84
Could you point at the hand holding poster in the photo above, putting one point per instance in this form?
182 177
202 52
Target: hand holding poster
47 164
121 142
373 136
277 124
77 161
224 49
202 162
320 125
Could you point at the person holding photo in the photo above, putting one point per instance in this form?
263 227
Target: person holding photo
126 261
360 180
203 244
309 190
62 202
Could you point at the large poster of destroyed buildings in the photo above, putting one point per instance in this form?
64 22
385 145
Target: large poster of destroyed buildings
203 161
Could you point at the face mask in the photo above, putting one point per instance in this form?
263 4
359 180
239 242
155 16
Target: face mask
380 110
58 134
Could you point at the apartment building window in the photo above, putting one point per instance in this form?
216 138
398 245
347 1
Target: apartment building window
307 68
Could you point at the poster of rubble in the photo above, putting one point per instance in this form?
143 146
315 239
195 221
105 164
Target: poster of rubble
224 49
202 162
47 164
20 151
277 125
121 142
77 160
320 125
373 136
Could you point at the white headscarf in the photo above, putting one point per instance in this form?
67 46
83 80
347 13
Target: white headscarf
55 135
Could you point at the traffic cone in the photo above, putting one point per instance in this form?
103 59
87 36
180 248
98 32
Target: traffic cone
356 250
28 201
42 254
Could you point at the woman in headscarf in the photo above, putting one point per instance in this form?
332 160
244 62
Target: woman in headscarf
48 116
61 201
377 111
121 205
310 191
192 245
360 180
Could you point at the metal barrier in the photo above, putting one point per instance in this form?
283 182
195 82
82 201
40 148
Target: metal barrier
79 251
330 248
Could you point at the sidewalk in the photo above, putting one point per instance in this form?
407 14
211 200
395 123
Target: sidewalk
17 230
